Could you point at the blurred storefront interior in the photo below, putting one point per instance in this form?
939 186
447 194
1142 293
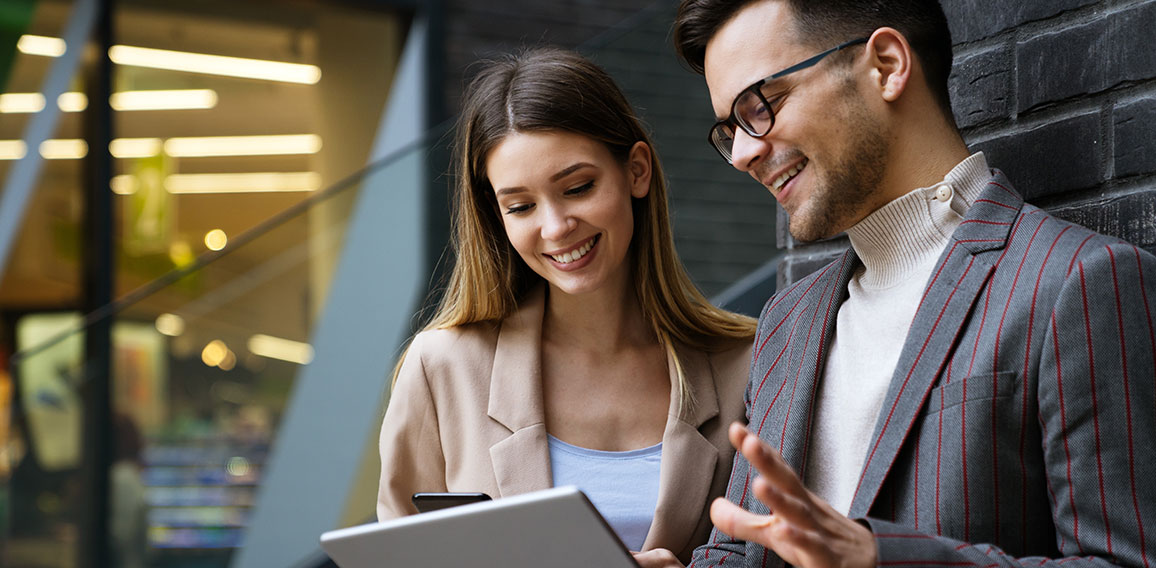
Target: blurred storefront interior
197 325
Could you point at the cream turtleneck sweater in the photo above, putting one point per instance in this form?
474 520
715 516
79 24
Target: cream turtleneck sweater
899 245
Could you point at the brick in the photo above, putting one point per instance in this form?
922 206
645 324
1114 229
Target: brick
797 265
1130 217
1056 66
972 20
1052 159
980 87
1134 129
1088 58
1131 56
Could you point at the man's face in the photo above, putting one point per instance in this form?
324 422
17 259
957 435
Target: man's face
825 156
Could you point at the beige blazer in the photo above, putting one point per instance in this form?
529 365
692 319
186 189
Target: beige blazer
466 414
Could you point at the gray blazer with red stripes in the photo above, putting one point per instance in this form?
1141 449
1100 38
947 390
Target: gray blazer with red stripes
1020 422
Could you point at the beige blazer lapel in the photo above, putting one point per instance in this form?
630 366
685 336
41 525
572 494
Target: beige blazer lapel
521 461
688 458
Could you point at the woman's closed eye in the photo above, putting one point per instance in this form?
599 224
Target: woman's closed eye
580 189
518 208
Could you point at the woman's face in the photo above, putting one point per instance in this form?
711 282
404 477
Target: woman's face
565 204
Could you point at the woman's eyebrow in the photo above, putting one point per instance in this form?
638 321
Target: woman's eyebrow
561 174
569 170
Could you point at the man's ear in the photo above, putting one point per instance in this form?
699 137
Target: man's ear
638 169
891 60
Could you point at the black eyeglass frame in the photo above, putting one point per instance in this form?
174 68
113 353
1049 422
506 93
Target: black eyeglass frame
733 120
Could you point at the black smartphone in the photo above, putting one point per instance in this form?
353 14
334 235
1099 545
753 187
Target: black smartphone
426 502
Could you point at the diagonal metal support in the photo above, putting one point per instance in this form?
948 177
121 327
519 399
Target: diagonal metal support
25 172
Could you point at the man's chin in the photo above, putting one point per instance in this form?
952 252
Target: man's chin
803 233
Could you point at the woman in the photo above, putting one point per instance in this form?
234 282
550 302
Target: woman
570 346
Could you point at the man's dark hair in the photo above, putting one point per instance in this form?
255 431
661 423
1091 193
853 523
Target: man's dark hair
825 23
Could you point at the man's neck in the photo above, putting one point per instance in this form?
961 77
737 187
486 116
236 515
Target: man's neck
921 155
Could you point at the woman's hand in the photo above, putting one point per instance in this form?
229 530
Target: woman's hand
657 558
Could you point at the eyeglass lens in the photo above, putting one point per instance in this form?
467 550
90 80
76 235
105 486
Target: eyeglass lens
751 114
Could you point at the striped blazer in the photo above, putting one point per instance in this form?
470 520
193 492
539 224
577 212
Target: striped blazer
1020 421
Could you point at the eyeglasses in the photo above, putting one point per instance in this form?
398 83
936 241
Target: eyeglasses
752 112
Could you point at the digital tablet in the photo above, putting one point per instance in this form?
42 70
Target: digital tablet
554 527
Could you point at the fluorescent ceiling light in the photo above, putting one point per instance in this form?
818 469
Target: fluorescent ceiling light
123 184
128 148
215 64
283 349
40 45
12 149
185 61
21 102
183 99
63 149
135 147
243 183
72 102
243 145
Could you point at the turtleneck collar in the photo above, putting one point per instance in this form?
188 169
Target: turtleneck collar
913 230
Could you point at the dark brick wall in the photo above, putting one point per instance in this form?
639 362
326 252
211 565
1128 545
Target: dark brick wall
724 223
1061 95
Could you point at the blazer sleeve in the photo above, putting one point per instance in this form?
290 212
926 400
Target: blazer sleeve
721 549
1095 390
410 443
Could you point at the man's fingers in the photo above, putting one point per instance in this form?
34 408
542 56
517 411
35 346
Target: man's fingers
740 523
789 507
766 460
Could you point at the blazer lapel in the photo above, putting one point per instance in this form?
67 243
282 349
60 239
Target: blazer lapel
810 337
955 285
521 461
688 458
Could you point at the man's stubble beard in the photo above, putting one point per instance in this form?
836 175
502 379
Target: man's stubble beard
841 195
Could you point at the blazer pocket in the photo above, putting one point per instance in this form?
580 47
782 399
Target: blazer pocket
976 387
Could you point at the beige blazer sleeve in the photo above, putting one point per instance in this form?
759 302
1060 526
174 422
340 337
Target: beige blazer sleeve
410 444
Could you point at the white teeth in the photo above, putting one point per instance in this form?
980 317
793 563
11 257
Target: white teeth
567 258
794 171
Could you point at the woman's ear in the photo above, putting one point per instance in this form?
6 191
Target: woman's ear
891 62
638 169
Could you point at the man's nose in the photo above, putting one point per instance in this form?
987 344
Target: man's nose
746 150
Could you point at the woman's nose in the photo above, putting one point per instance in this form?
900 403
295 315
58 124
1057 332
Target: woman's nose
557 223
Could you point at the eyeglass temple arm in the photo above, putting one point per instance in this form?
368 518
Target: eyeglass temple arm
809 62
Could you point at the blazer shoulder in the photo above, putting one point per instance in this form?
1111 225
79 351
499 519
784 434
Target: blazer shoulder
1068 240
731 360
452 352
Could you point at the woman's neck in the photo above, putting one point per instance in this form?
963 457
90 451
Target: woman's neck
603 321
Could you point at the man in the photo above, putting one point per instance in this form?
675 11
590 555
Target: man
973 382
